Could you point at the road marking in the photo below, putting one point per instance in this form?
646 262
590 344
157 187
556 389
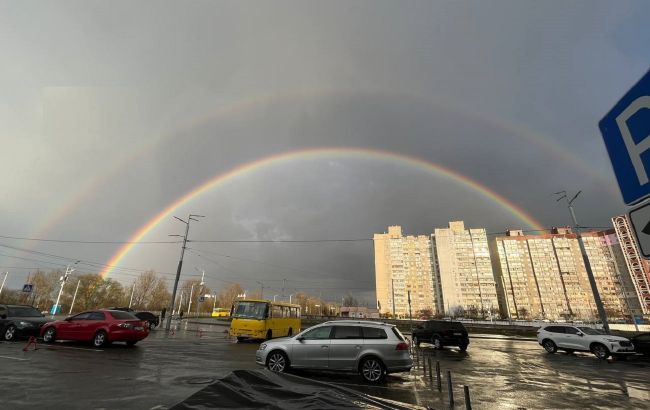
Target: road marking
13 358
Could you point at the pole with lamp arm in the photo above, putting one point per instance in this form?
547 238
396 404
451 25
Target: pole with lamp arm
585 259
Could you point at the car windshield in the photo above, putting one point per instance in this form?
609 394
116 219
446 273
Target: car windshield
591 331
250 310
24 311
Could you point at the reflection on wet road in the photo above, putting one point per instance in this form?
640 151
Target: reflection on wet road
164 369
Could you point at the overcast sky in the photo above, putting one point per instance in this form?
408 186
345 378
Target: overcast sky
110 111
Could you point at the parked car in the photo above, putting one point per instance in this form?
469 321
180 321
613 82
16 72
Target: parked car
441 333
641 343
152 320
20 321
585 339
101 327
372 349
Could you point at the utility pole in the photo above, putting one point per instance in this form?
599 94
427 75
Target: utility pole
585 258
261 290
190 218
410 317
132 291
189 301
3 282
63 279
75 297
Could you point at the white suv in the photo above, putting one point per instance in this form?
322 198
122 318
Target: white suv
586 339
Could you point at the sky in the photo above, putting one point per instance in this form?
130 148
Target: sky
112 111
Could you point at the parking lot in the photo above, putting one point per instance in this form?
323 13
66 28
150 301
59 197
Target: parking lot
165 369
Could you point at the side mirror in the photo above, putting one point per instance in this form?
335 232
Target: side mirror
581 334
300 338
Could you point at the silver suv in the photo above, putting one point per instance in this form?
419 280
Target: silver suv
372 349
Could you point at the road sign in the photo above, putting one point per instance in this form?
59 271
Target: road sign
202 299
640 219
27 287
626 131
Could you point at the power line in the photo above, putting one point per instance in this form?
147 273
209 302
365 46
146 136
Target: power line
20 238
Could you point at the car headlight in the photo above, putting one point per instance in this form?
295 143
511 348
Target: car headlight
262 346
613 340
25 324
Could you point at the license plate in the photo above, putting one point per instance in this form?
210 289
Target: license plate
139 328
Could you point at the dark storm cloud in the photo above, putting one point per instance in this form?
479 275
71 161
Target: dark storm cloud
85 85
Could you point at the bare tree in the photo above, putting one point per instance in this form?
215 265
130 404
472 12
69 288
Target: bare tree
228 295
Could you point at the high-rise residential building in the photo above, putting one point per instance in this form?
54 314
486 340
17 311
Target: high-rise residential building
402 264
639 268
543 276
463 264
611 274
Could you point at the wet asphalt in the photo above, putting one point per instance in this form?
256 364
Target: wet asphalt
164 369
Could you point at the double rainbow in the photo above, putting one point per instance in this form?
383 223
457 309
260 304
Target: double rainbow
315 153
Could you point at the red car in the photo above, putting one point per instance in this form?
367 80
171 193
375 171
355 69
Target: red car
100 327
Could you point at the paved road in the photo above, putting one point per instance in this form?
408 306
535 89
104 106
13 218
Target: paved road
163 370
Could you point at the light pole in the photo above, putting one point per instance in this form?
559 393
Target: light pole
3 282
63 279
189 300
190 218
275 296
585 258
261 289
75 297
132 291
290 297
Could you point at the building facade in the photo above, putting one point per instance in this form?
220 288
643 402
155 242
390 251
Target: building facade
463 265
638 268
403 264
544 276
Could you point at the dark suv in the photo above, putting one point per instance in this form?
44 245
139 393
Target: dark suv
441 333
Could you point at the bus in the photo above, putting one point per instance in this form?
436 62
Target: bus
220 312
263 319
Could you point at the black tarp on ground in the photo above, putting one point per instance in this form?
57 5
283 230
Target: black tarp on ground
262 389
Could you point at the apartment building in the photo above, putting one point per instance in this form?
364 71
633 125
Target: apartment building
463 265
613 279
638 268
403 264
544 276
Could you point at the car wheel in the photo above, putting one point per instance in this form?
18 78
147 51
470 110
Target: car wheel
436 342
101 339
240 339
277 362
372 370
269 335
416 341
131 343
50 335
10 332
549 346
600 351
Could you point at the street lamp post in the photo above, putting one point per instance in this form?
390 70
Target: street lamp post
585 259
190 218
275 296
63 279
3 282
75 297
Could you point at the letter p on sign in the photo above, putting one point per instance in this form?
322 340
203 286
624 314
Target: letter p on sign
626 132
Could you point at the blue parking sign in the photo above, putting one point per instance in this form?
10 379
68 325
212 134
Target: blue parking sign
626 131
